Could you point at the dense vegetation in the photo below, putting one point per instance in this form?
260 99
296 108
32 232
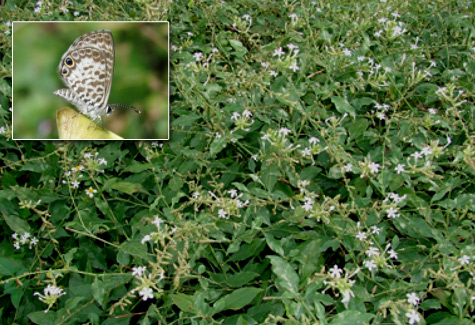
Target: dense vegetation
320 169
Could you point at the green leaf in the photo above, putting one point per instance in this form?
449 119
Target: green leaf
274 244
73 302
184 302
217 145
240 50
135 248
237 299
357 128
68 257
239 279
185 120
352 317
270 175
248 250
343 106
16 224
98 291
127 187
42 318
176 183
15 292
287 278
36 166
136 167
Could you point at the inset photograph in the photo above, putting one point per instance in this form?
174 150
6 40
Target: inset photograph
90 80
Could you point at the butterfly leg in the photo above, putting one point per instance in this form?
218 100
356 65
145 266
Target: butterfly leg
93 121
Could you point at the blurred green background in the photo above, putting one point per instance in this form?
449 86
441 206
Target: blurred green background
140 77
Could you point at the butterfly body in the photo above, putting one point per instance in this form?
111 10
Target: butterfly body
87 68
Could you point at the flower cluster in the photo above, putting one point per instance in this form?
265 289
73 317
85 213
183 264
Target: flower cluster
146 283
243 121
344 284
412 313
50 295
392 203
226 206
25 239
91 163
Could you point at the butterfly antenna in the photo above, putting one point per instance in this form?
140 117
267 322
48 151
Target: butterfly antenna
112 107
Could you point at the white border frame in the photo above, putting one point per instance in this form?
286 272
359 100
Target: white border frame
104 22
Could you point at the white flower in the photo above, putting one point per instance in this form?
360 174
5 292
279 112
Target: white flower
413 299
372 251
392 213
241 204
33 242
102 161
399 169
279 52
375 230
336 272
395 15
222 214
24 238
370 264
306 152
308 204
347 294
303 183
440 91
374 167
313 140
232 193
157 221
247 113
90 191
88 155
146 293
75 184
426 151
392 254
247 18
396 197
145 239
413 317
294 67
198 56
284 131
293 17
464 260
139 270
348 167
361 235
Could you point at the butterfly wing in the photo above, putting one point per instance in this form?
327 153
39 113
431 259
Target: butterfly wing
87 68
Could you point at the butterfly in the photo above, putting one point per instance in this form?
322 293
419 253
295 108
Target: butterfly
87 68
